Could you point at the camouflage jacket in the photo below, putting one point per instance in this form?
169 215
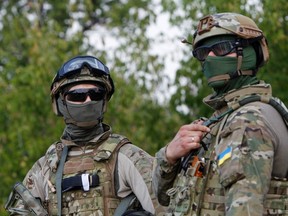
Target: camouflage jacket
247 151
134 168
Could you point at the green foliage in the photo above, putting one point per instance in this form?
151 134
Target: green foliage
275 26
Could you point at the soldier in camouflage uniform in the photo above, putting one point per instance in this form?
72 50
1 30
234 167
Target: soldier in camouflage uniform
90 169
242 165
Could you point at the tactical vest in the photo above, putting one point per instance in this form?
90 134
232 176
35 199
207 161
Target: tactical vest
197 191
98 166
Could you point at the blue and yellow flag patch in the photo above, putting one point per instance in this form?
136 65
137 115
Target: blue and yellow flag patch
223 156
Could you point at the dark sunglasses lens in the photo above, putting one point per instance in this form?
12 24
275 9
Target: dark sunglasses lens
80 95
96 95
76 96
222 48
201 53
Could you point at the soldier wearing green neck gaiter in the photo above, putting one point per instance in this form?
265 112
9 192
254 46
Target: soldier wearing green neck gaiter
238 165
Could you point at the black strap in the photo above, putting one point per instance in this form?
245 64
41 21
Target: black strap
124 204
76 182
59 178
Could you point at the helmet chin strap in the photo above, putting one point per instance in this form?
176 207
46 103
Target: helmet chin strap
239 52
227 77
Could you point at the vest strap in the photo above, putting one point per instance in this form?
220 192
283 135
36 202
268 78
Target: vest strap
59 178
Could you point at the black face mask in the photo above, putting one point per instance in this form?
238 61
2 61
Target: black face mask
87 114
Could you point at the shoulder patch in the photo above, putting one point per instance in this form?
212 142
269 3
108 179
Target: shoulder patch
223 156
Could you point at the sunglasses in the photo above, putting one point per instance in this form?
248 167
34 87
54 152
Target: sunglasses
219 49
80 95
75 65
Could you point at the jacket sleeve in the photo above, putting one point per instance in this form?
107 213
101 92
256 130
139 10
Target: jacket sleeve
245 159
164 175
36 182
143 163
130 180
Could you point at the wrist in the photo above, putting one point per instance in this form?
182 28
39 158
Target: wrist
165 166
168 156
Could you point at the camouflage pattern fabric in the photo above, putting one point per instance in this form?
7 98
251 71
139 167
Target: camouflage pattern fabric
242 159
101 200
144 164
40 180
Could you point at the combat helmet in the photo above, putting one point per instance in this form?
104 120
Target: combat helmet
81 69
233 24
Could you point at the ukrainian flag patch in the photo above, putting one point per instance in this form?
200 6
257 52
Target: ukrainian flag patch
226 154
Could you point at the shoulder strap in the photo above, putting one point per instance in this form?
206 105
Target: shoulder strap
124 204
273 101
118 141
108 147
59 178
280 107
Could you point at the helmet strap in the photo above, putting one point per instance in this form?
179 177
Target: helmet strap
239 53
235 74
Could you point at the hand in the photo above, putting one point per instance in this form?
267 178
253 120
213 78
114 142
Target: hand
187 138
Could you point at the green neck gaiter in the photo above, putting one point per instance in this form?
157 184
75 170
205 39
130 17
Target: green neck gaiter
219 65
236 83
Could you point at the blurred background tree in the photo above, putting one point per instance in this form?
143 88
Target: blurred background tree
36 37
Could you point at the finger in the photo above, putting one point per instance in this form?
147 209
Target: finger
193 139
186 145
198 127
193 144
